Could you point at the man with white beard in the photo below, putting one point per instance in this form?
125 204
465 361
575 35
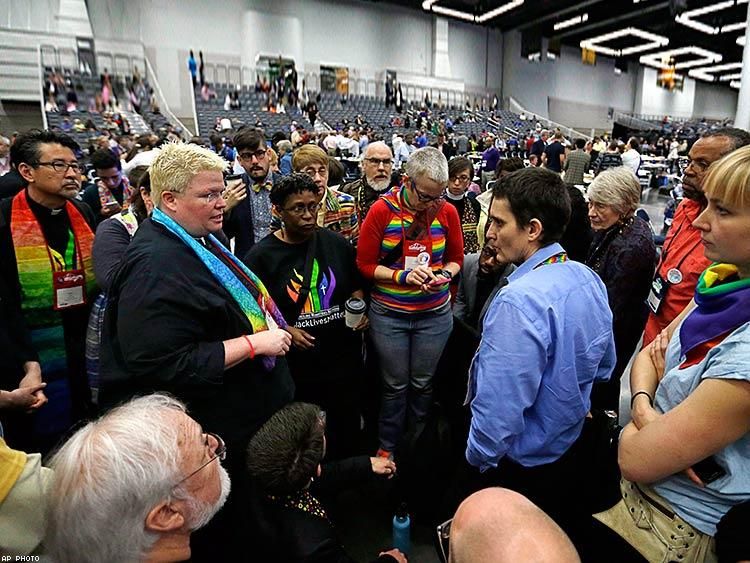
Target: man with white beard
377 164
133 485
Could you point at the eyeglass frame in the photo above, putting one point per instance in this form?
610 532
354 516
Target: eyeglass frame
443 539
426 198
260 154
313 210
55 164
208 199
220 453
378 162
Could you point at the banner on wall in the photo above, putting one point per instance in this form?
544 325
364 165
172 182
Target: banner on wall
334 79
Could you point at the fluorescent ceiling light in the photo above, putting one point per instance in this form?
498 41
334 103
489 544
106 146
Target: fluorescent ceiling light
652 40
728 77
688 18
735 85
662 58
741 40
430 6
571 22
707 73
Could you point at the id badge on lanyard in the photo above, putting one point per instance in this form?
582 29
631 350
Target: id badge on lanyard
416 254
68 283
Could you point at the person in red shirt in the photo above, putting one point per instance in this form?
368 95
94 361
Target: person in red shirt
410 246
682 260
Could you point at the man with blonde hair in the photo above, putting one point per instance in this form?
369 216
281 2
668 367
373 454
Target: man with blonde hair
134 485
185 316
337 210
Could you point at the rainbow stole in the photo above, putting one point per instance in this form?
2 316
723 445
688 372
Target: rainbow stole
35 278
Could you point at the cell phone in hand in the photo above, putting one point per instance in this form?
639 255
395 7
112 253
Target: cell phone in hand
438 282
708 470
233 177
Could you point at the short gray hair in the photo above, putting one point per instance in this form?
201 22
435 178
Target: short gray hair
284 146
4 140
617 187
428 163
108 476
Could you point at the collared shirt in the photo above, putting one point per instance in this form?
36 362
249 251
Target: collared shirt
682 251
260 207
547 337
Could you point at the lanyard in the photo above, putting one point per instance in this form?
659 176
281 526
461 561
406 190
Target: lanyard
665 251
59 262
556 259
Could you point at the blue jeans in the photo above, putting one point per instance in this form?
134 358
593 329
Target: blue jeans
409 348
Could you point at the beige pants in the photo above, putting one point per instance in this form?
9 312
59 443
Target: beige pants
646 521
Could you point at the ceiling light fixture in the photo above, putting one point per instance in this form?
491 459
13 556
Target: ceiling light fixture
653 40
430 6
735 84
571 22
688 18
662 58
741 40
707 73
728 77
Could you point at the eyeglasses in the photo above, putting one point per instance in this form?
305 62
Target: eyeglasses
260 154
386 162
312 172
463 179
423 197
300 209
211 197
697 165
60 166
220 453
444 539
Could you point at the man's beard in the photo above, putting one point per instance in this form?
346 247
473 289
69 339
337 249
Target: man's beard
379 185
201 511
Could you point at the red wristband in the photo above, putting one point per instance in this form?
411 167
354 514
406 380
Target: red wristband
252 349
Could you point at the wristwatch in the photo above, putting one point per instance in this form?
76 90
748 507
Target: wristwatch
446 274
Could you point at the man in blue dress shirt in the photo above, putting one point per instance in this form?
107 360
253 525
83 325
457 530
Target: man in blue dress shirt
547 337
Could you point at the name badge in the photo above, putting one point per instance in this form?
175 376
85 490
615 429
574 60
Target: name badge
415 254
69 289
656 293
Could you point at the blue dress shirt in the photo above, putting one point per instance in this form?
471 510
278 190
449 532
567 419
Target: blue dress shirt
547 337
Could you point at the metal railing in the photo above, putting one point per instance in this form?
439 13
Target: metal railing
515 107
154 82
42 95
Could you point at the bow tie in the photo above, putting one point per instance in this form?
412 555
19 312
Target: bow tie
257 187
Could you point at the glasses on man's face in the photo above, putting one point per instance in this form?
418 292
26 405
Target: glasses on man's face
60 166
444 539
220 453
211 197
300 209
698 166
260 154
426 198
378 162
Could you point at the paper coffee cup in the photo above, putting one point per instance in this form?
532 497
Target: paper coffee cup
354 310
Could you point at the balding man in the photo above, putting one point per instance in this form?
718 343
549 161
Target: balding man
377 165
133 485
501 525
4 155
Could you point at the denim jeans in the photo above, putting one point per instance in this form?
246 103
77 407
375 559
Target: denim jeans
409 346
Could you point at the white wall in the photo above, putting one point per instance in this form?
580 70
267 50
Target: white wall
565 90
654 100
367 37
714 102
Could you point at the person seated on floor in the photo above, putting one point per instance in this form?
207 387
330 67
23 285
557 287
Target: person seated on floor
284 458
500 525
483 274
133 485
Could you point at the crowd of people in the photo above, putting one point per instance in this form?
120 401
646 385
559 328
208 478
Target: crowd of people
203 344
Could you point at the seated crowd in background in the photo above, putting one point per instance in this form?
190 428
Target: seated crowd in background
448 324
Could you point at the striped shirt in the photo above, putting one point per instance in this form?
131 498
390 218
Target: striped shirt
383 229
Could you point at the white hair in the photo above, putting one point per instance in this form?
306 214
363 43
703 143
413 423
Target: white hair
108 476
428 163
617 187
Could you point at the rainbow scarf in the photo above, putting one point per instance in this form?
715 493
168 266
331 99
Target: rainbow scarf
258 310
35 266
723 305
107 197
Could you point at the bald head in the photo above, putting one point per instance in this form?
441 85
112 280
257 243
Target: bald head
377 165
500 525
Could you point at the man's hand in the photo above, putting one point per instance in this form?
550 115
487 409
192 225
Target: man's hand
111 209
21 398
396 554
300 338
274 342
33 378
234 193
383 466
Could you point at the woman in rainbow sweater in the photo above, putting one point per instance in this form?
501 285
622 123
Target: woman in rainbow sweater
410 246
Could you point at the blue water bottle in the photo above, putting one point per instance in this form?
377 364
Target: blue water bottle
402 530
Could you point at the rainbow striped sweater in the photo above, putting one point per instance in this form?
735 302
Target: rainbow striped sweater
382 230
